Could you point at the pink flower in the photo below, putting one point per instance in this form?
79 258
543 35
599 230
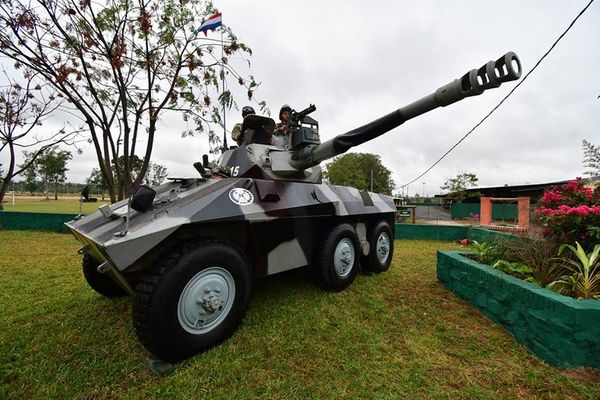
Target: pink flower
581 210
545 211
551 196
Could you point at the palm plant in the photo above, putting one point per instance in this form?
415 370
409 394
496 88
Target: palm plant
583 281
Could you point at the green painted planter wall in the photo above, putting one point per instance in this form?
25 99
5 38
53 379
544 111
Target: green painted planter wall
563 331
484 235
34 221
446 232
431 232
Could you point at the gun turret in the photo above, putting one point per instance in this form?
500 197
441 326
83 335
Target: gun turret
297 159
491 75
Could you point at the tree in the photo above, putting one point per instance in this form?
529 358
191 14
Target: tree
156 174
52 167
360 170
591 158
29 170
122 65
23 109
96 182
457 187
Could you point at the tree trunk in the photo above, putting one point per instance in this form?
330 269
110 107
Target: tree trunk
3 190
9 174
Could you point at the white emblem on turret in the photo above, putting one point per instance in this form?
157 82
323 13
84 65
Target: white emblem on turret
241 196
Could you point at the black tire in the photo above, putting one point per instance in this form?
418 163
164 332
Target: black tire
336 263
381 248
101 283
184 303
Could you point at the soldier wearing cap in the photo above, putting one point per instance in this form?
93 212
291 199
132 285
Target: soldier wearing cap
236 132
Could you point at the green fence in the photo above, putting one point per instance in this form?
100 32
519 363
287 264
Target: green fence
34 221
500 211
55 222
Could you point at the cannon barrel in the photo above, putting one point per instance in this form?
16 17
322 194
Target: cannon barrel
491 75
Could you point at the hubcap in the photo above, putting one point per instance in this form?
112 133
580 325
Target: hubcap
206 300
383 247
343 257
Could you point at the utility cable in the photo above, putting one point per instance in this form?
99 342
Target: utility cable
505 97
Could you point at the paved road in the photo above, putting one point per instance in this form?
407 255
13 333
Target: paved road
433 212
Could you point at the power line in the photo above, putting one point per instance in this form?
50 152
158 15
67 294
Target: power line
505 97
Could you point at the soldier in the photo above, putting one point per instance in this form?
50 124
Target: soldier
236 132
281 133
284 118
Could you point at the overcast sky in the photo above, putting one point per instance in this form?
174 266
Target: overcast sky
358 60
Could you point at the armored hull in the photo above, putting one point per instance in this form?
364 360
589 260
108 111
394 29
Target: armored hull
274 222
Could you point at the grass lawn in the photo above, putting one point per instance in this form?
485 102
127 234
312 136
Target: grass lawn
395 335
41 205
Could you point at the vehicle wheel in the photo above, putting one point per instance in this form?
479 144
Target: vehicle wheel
192 299
101 283
337 261
381 249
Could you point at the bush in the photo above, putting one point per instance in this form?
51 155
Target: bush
538 254
487 253
534 260
571 213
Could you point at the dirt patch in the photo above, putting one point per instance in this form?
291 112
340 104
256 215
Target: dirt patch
8 197
584 375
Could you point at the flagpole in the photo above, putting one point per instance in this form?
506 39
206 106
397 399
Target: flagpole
210 24
225 147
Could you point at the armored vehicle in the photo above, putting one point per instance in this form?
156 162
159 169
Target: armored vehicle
192 247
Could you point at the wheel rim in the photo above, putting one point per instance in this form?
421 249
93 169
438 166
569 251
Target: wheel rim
343 257
382 247
206 300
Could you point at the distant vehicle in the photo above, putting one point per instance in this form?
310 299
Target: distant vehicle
192 247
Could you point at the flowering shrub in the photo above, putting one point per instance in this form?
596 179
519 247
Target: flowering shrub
570 213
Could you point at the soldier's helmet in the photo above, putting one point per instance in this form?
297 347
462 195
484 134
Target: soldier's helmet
247 110
283 108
